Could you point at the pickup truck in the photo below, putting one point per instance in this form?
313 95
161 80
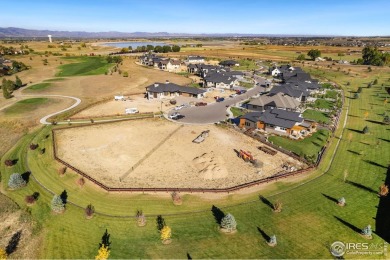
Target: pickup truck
220 99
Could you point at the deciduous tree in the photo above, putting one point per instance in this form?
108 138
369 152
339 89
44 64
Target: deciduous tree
103 253
314 53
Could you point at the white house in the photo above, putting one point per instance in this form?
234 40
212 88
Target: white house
169 65
195 59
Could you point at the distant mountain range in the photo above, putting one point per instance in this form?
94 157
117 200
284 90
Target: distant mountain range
12 32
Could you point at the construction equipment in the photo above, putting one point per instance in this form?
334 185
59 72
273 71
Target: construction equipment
201 137
246 156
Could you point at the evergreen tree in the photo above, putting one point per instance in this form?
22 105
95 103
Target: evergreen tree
367 231
18 82
16 181
341 201
272 240
57 204
228 222
366 130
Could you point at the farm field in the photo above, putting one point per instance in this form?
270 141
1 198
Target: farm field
163 148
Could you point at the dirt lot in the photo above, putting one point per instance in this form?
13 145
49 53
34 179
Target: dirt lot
158 153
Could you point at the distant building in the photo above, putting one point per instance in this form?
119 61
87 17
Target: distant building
229 63
195 59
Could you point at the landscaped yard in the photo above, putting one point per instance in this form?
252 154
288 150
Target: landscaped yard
246 84
331 94
317 116
322 104
84 66
237 111
246 65
308 147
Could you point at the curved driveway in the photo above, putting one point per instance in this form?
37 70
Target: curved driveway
213 112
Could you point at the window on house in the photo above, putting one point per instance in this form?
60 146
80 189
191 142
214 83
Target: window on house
247 124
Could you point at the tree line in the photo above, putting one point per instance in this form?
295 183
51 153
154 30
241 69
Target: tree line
146 48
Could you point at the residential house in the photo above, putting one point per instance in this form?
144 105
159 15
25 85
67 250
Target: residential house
171 90
271 101
150 59
290 90
169 65
219 80
278 121
195 59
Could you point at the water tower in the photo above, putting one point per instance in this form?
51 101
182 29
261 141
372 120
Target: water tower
49 38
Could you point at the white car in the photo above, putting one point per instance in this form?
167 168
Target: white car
179 107
174 115
233 95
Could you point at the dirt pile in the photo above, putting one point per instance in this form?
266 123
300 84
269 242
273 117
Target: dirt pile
210 167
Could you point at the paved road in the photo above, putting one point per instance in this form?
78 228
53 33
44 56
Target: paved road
214 112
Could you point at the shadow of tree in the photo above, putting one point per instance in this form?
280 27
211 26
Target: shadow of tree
360 186
354 152
386 140
355 130
64 196
160 222
263 234
105 240
374 122
375 163
349 225
266 201
329 197
13 243
218 214
189 256
382 223
26 176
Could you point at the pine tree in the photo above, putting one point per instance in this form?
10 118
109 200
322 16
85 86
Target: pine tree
57 205
229 223
103 253
367 231
272 240
16 181
6 93
341 201
366 130
18 82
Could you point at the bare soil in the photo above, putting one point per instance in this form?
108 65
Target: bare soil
164 160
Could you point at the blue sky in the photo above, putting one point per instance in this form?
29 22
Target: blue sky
199 16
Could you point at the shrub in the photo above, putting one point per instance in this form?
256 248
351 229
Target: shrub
57 205
176 198
62 170
29 199
272 240
89 211
16 181
3 254
160 221
383 190
140 217
229 223
33 146
103 253
277 206
81 182
166 233
367 231
386 120
341 201
9 163
125 74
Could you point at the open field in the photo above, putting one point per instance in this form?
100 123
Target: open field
170 159
82 66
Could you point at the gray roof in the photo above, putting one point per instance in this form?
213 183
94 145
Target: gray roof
290 90
195 58
172 88
228 63
277 117
276 100
219 77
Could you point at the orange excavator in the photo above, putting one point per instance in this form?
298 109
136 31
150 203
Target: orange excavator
246 156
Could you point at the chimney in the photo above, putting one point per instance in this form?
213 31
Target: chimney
155 85
167 82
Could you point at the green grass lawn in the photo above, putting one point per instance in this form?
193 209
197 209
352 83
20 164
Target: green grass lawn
25 105
237 111
310 146
308 224
246 65
331 94
322 103
82 66
317 116
246 84
39 86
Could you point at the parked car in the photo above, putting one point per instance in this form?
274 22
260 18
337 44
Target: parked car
233 95
131 110
179 107
220 99
172 101
200 104
174 115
